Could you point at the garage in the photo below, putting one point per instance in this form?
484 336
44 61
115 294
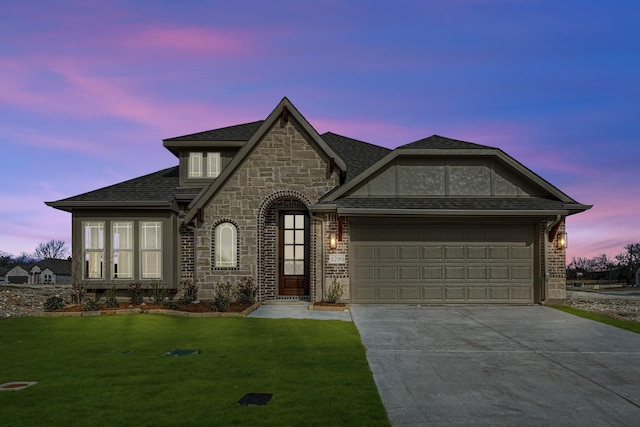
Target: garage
427 262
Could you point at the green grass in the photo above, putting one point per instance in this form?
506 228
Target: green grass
111 370
629 325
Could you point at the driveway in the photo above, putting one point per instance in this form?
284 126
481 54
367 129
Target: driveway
490 365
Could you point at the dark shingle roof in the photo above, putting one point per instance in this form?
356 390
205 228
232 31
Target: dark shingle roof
358 155
242 132
58 266
457 203
441 142
156 187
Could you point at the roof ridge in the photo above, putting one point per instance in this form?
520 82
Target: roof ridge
441 142
221 129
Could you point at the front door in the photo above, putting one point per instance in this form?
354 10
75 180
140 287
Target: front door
293 253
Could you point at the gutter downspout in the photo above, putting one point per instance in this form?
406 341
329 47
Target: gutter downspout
547 229
322 252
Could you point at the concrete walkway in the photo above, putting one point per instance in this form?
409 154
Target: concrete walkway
500 366
297 311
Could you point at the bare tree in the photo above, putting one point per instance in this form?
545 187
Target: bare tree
55 249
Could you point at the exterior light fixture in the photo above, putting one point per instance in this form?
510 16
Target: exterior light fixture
562 241
333 241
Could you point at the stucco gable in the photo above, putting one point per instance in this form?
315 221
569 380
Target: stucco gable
284 112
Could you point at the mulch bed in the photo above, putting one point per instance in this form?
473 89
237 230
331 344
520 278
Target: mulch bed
201 307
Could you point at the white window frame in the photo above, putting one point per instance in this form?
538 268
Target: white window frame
213 164
93 249
150 250
121 251
226 249
196 164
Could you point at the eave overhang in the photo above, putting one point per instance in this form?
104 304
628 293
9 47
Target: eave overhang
100 205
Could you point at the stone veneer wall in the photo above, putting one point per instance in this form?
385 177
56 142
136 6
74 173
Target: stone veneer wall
283 163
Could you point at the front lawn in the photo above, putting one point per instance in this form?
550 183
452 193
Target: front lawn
629 325
111 370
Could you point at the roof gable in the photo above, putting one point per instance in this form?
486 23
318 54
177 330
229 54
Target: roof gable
437 142
285 110
438 167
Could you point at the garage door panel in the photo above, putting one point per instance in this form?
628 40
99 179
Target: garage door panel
457 264
387 273
410 293
433 293
410 253
364 253
387 294
454 293
432 252
453 253
364 273
477 293
410 272
477 273
453 273
432 273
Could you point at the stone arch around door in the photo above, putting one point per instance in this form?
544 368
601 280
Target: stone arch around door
281 202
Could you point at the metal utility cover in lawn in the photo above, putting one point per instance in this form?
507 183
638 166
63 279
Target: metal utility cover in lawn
255 399
179 352
16 385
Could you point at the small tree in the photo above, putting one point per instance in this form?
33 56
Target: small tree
53 249
78 281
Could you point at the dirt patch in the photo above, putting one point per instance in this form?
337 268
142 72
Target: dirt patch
617 307
17 301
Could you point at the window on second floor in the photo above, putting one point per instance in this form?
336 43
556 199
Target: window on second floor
204 164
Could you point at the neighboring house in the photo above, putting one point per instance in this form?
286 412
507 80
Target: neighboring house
434 221
45 272
50 272
3 275
19 275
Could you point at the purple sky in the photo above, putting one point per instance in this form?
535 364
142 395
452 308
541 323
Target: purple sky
89 88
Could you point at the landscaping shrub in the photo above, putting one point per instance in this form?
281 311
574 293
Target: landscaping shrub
335 292
136 293
53 303
170 305
158 292
90 304
224 295
111 298
247 290
189 291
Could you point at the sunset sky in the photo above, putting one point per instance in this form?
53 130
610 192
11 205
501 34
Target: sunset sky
89 88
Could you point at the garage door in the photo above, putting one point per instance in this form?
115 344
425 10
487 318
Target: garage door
430 263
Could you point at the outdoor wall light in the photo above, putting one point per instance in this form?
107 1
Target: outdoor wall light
333 241
562 241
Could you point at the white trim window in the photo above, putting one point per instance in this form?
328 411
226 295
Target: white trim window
151 249
226 240
195 165
122 244
93 249
213 164
203 165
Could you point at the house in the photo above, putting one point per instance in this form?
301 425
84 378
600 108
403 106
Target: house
3 275
435 221
46 272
